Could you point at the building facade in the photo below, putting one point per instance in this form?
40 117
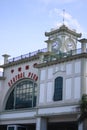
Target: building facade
42 90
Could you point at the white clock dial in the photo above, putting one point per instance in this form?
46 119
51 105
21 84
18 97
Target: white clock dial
56 45
70 45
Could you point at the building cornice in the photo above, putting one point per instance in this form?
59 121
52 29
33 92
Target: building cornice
32 58
63 28
61 60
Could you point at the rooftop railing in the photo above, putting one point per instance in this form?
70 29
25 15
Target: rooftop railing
62 54
27 55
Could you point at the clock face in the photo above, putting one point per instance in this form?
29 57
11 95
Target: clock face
56 45
70 45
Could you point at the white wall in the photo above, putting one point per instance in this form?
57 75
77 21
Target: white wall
77 87
50 73
86 84
70 71
42 93
43 74
77 66
46 85
73 80
68 89
49 92
1 87
69 68
86 67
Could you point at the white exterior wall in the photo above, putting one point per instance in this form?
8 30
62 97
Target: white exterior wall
42 93
49 91
86 77
1 91
73 82
86 84
68 89
71 73
9 76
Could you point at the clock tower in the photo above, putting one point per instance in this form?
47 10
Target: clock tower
62 39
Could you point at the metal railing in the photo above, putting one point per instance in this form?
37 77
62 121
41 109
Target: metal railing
63 54
60 55
27 55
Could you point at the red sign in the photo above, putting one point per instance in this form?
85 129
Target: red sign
21 76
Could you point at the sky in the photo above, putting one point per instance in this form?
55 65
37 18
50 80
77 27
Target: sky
23 23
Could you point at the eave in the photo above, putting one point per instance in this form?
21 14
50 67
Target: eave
63 29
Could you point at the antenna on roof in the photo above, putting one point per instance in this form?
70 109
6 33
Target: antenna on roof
63 16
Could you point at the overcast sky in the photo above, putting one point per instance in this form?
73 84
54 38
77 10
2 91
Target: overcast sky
24 22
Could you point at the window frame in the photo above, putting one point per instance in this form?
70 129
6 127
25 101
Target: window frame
18 90
58 90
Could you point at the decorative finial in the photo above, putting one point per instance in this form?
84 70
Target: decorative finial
63 16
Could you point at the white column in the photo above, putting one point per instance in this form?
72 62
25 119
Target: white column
41 124
41 58
80 126
83 78
83 46
6 58
49 45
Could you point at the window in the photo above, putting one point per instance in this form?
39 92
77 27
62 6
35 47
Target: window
23 95
58 86
11 128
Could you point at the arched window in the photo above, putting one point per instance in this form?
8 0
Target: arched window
58 88
23 95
